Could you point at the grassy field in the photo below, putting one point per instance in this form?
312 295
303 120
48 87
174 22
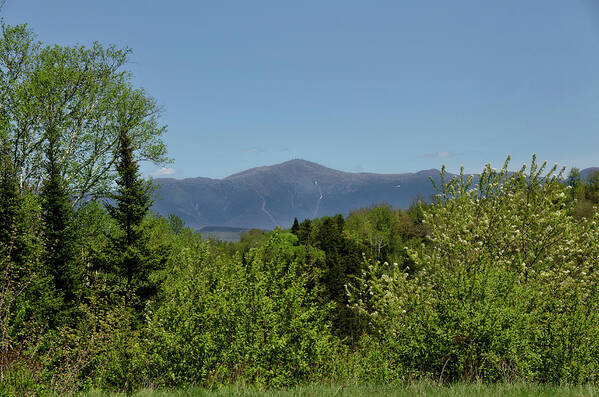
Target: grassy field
416 390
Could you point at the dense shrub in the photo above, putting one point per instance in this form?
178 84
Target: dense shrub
221 320
507 290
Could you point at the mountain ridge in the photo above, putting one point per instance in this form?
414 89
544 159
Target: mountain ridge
269 196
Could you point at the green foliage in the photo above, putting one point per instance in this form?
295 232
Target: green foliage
221 320
584 193
58 230
335 257
384 233
574 181
27 301
303 232
343 260
20 380
62 110
176 224
9 192
592 187
136 261
497 283
81 94
508 289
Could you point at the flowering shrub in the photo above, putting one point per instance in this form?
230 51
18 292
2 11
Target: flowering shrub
507 288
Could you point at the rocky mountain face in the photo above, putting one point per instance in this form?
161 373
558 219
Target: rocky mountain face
267 197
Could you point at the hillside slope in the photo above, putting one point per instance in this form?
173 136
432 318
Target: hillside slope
271 196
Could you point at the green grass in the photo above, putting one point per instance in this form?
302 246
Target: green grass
415 390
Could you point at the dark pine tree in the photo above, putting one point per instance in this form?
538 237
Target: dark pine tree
13 245
9 197
134 260
304 231
295 227
57 216
343 260
20 252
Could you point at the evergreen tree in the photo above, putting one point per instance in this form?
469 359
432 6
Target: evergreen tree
28 287
295 228
57 216
343 261
9 192
135 261
304 230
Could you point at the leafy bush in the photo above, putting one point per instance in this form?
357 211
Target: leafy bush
220 320
507 290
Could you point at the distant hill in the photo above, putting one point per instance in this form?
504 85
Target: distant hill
587 171
266 197
271 196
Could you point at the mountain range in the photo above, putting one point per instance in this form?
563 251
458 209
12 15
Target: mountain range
271 196
587 171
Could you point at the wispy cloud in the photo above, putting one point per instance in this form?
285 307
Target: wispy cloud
164 172
253 150
440 155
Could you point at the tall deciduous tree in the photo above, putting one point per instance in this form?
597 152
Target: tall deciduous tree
16 46
574 180
79 89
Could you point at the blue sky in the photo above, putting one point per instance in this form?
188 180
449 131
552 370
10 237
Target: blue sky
377 86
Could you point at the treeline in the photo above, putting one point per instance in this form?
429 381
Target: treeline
337 249
584 191
495 279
